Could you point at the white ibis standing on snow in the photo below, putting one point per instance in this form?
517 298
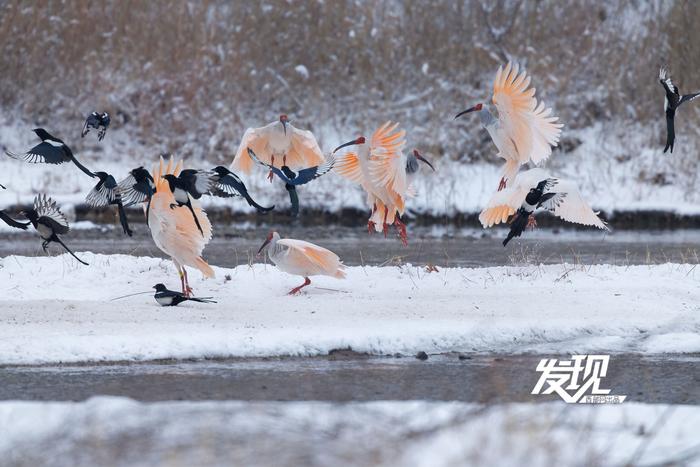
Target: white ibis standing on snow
524 131
174 230
672 101
302 258
385 172
534 189
278 140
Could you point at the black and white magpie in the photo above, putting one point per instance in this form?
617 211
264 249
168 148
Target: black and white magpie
51 150
49 222
292 180
166 297
190 183
98 121
228 184
672 101
536 198
107 193
137 187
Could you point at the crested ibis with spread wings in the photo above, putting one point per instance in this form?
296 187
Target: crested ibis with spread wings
524 130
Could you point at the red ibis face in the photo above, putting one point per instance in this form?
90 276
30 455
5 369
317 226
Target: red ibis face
267 242
418 156
476 108
360 140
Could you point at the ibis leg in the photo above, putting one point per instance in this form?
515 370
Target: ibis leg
272 163
531 223
502 184
384 224
401 227
296 290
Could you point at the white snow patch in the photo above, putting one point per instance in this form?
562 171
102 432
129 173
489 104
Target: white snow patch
55 310
302 71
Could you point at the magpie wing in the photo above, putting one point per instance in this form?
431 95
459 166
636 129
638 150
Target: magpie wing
274 169
50 214
688 97
42 153
312 173
104 193
133 192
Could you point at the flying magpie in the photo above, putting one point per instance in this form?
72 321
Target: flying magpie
51 150
672 101
536 198
292 180
49 222
166 297
107 193
98 121
227 184
137 188
190 183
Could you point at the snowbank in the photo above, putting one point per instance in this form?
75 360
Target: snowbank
54 310
118 431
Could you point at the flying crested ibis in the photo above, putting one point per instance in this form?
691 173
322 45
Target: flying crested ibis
672 101
524 131
279 141
174 230
384 171
301 258
533 189
51 150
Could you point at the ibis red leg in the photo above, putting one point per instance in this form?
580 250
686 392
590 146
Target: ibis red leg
296 290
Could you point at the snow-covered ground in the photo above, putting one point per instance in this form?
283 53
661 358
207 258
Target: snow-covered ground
55 310
118 431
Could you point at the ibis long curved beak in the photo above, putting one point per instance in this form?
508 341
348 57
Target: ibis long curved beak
463 112
284 126
349 143
267 241
423 159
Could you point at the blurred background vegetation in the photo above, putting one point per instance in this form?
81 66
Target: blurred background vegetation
192 75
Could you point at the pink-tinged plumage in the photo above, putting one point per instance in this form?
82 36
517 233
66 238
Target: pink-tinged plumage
295 148
302 258
174 230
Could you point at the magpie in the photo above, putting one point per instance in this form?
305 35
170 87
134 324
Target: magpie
227 184
672 101
51 150
137 188
536 198
49 222
11 222
292 180
3 187
107 193
98 121
190 183
166 297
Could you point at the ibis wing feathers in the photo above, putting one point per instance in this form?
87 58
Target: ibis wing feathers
387 165
530 126
348 165
253 138
574 208
319 260
503 204
304 144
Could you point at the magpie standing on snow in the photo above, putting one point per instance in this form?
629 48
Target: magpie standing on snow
10 221
106 193
137 188
98 121
166 297
672 101
51 150
49 222
292 180
190 183
228 184
536 198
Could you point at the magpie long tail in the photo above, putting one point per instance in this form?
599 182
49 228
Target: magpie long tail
3 187
251 202
196 221
202 300
517 226
294 199
123 220
83 168
13 223
69 250
148 211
